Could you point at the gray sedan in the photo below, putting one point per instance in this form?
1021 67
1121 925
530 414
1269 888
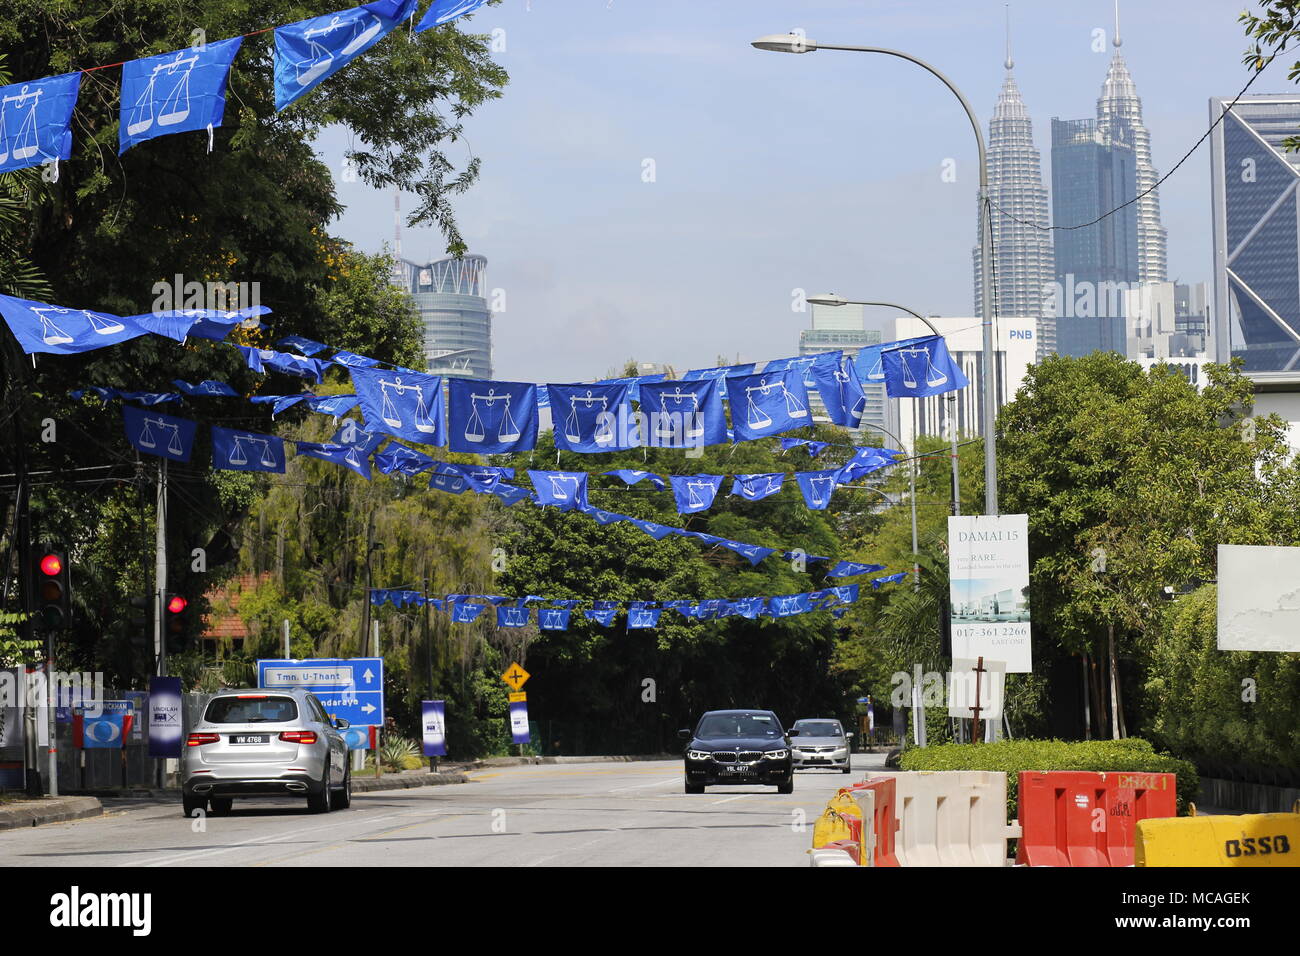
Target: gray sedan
252 743
820 742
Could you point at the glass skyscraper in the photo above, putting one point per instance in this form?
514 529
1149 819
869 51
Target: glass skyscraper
1256 233
457 320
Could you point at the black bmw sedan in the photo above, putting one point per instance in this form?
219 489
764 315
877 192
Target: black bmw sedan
738 747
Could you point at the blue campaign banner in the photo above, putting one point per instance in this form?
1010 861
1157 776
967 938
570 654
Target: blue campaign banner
357 736
786 605
352 359
462 613
592 418
235 450
175 92
433 717
405 404
309 51
684 414
631 476
36 121
643 617
757 487
604 616
209 387
553 618
565 489
818 486
652 528
922 368
491 418
841 392
165 717
805 365
519 722
877 583
444 11
718 372
153 433
396 457
351 688
695 492
103 727
306 346
346 455
767 403
512 616
333 405
39 327
752 552
847 569
871 369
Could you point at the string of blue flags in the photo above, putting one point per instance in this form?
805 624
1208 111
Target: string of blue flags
517 612
185 90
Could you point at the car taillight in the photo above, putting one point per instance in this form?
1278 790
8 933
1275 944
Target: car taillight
299 736
198 740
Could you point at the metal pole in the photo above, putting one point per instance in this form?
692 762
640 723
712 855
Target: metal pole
160 571
916 565
987 362
287 655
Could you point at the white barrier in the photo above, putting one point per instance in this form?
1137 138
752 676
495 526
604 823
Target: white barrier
953 818
830 858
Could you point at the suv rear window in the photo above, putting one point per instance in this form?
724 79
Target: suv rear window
251 710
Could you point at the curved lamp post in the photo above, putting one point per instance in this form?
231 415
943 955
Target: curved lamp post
795 43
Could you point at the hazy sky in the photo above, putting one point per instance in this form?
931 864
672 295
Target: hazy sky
775 172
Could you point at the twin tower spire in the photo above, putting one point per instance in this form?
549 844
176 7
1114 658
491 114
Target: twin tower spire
1024 258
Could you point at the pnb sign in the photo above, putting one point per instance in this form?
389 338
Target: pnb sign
1026 335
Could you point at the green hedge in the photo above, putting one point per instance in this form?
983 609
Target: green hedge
1013 756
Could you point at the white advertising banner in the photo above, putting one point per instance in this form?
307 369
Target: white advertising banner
988 572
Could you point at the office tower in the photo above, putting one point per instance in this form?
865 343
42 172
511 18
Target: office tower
841 328
1022 244
1095 265
1256 269
450 295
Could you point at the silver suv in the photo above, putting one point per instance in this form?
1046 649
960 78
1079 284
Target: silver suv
821 742
252 743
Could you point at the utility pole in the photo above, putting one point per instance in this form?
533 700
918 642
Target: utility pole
160 572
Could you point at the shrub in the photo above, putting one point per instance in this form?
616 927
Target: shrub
1013 756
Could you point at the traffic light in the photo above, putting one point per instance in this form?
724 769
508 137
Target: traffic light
178 624
53 590
139 620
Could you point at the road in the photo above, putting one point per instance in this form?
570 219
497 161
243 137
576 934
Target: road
591 814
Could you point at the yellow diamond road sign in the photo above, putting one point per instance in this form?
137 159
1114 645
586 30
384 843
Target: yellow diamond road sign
516 676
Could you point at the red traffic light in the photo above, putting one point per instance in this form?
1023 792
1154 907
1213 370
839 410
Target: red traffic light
177 604
51 565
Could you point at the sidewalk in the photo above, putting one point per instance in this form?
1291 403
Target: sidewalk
34 813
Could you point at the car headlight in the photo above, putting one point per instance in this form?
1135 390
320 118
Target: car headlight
698 755
776 754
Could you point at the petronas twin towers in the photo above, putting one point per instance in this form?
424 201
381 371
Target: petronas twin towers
1031 277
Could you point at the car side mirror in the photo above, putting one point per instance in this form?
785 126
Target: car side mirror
684 734
848 736
341 724
792 733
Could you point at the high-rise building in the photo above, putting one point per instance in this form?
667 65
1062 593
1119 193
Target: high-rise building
1095 265
1166 320
1022 244
1119 120
1014 352
838 328
457 320
1256 238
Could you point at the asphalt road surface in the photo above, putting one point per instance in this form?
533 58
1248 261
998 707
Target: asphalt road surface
592 814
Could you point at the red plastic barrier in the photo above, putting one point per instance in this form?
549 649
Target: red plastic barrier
1079 818
886 820
852 847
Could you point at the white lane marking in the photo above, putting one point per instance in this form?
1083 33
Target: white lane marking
268 838
642 786
739 796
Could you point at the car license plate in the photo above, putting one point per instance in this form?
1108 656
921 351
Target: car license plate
737 770
250 738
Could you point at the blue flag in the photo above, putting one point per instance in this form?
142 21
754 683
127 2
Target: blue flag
805 365
235 450
397 457
865 460
36 121
921 368
643 617
154 433
695 492
566 489
309 51
876 583
490 418
604 616
841 392
757 487
592 418
512 616
602 516
405 404
444 11
334 405
655 530
847 569
871 369
817 487
352 360
345 455
206 387
304 345
786 605
51 328
175 92
768 403
462 613
553 618
631 476
718 372
684 414
752 552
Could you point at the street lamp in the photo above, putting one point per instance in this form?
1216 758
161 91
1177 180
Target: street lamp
831 299
797 43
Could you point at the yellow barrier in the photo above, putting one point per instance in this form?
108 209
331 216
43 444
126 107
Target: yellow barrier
1252 839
